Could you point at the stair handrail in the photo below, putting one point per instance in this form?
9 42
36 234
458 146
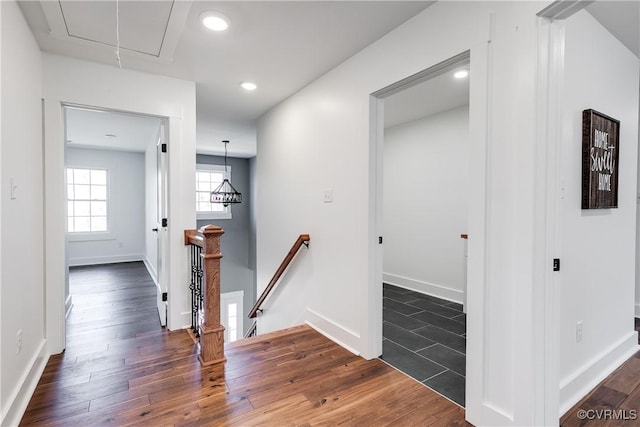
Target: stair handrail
303 239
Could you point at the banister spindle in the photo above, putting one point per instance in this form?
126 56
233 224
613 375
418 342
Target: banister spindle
211 331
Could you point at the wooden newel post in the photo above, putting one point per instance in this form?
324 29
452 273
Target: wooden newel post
211 331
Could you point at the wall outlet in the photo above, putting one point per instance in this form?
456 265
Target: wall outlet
19 341
579 331
328 195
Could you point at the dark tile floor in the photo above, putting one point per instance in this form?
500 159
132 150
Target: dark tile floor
425 337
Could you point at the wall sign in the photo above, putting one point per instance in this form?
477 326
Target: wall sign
600 153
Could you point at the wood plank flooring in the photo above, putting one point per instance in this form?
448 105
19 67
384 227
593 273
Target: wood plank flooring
614 402
121 368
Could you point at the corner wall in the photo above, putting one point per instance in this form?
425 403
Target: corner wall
22 292
426 180
598 246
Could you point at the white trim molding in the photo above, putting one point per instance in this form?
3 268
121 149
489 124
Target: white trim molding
22 393
105 260
587 377
336 333
433 289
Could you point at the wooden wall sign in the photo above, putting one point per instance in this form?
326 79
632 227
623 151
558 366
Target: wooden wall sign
600 153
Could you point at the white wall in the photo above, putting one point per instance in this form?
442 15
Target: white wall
151 209
126 204
320 138
597 282
74 81
426 180
22 263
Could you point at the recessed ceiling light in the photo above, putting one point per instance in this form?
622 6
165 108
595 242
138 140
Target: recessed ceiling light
461 74
248 86
109 135
214 21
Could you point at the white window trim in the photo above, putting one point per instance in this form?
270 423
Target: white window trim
89 235
226 214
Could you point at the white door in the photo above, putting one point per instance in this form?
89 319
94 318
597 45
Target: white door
162 226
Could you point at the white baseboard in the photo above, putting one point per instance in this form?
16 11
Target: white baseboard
68 305
18 401
584 379
439 291
336 333
105 260
185 319
151 269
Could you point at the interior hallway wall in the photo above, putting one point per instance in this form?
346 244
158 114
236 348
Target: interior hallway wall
597 277
426 184
22 292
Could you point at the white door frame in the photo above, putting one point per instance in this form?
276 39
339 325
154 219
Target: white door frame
162 231
55 219
478 59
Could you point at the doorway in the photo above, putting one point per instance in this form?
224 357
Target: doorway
116 195
424 208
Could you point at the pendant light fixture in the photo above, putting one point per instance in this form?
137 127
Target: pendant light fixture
225 193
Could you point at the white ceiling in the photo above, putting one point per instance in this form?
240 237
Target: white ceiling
109 130
438 94
620 18
280 45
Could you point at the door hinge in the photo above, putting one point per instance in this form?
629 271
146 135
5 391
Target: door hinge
556 264
379 240
164 296
164 222
163 147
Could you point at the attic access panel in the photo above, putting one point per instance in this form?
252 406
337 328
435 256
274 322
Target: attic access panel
147 28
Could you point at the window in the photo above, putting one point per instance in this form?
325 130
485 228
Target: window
231 309
208 177
87 200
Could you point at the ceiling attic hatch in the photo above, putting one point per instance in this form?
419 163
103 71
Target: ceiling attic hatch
148 29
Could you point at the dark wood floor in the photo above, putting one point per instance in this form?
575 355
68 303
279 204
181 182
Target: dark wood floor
614 402
121 368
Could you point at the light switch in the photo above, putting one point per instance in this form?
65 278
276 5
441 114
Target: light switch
328 195
13 188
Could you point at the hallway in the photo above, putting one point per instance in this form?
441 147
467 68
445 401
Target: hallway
121 368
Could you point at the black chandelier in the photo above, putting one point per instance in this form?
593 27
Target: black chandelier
225 193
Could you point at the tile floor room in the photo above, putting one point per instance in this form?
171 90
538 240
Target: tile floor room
425 337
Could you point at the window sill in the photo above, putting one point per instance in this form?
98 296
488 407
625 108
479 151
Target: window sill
88 237
213 215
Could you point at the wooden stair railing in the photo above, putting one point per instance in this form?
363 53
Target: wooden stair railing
211 331
303 239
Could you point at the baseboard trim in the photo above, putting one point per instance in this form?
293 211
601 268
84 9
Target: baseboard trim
185 317
583 380
439 291
68 305
336 333
105 260
17 403
152 271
